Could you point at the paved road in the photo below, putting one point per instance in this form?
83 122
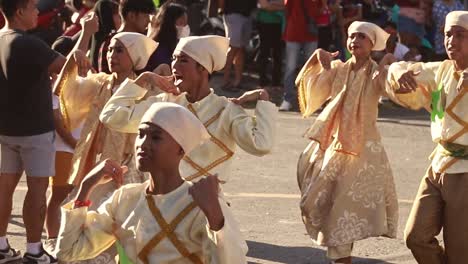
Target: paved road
264 194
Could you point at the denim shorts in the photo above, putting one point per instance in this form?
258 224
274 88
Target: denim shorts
238 29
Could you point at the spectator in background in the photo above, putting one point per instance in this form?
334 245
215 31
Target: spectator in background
238 26
84 8
372 12
399 50
325 27
269 22
109 20
135 18
440 9
411 20
170 25
298 40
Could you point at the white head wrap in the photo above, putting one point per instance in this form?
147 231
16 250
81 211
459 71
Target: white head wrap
139 46
183 126
377 35
456 18
209 51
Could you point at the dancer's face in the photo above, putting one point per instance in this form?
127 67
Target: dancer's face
188 74
118 58
359 45
155 149
456 44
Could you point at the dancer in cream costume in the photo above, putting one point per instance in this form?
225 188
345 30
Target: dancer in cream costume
81 102
229 125
346 183
442 88
164 220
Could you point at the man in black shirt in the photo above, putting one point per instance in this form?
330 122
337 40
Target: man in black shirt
26 124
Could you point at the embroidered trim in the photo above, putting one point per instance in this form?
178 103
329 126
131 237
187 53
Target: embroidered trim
167 230
460 121
228 153
448 165
457 119
301 92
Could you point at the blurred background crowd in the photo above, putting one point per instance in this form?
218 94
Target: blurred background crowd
270 39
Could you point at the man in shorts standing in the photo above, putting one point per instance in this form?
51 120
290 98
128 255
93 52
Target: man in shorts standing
238 26
26 125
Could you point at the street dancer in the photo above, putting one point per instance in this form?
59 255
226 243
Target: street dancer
344 175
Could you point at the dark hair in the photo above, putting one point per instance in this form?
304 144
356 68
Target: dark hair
137 6
390 24
105 9
166 31
63 45
9 7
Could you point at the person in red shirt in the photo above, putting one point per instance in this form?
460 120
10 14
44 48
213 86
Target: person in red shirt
298 39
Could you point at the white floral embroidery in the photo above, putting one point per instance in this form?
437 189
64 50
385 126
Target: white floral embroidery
368 188
349 228
103 258
375 147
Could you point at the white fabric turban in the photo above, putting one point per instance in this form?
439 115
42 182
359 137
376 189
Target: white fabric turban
183 126
209 51
139 46
456 18
377 35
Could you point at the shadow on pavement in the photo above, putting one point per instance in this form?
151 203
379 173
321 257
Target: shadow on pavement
393 111
295 255
17 223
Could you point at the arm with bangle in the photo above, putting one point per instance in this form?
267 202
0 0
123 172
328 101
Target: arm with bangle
85 234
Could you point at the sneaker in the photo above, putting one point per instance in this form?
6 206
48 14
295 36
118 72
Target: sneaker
50 245
41 258
383 100
285 106
9 255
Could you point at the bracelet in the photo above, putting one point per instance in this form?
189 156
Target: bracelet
79 203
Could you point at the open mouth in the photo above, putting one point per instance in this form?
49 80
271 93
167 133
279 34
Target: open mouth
177 79
142 155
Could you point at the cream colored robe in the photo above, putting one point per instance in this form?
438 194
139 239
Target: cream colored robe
81 102
345 197
449 127
127 217
228 124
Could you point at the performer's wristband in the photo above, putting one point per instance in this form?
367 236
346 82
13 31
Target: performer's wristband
79 203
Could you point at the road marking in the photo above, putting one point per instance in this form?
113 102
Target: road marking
257 195
263 195
284 196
